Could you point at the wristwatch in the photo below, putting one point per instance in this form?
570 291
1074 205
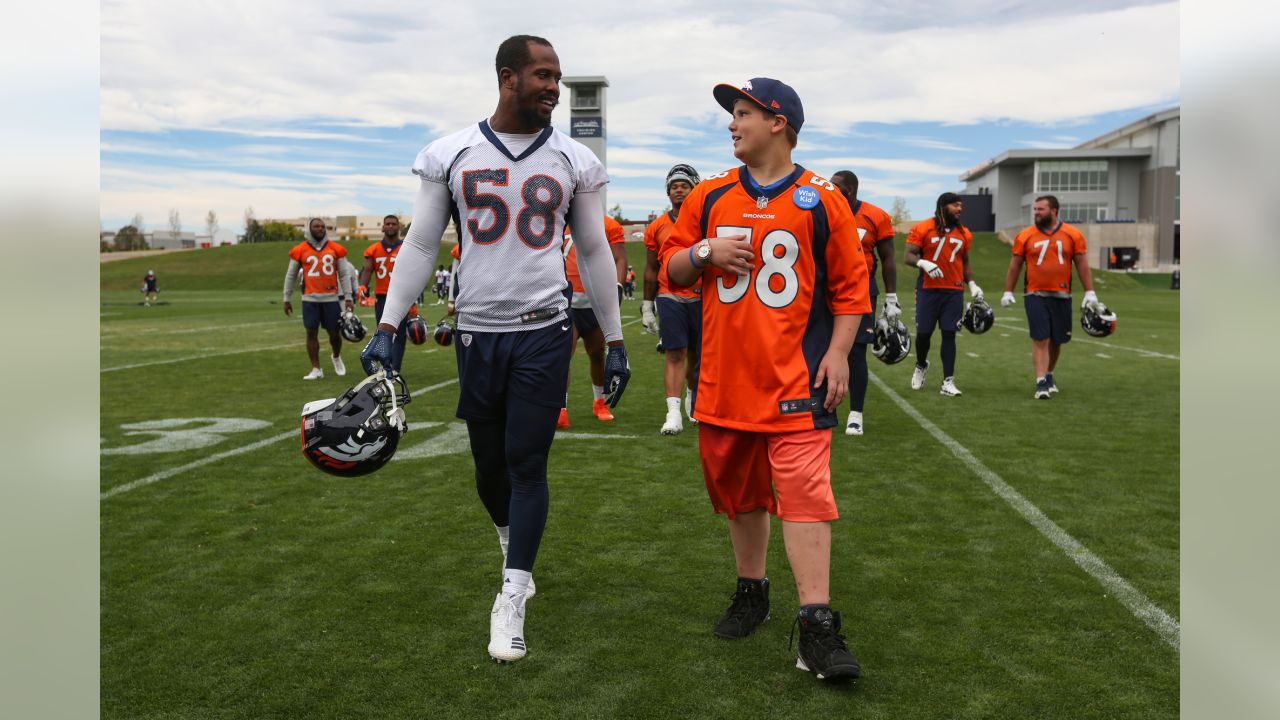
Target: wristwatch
703 252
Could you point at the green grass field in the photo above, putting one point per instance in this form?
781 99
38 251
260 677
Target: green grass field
239 582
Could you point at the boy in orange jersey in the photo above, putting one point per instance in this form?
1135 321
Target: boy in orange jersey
775 250
379 261
585 323
680 308
939 247
1048 248
326 291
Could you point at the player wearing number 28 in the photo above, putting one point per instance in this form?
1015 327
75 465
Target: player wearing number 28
784 283
1048 248
327 280
512 182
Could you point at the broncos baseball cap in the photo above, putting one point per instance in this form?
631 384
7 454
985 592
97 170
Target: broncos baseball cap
772 95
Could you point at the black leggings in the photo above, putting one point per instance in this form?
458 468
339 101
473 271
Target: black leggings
857 376
948 351
511 473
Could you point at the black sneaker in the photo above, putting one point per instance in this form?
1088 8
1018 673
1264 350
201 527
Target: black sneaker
1042 390
823 650
1053 386
749 608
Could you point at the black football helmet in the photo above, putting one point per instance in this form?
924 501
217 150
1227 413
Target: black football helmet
417 330
357 433
892 343
444 332
351 328
1098 323
978 317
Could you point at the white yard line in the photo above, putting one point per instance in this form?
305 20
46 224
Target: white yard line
196 357
1088 339
1129 596
165 474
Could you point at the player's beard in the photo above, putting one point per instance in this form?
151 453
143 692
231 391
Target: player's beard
529 114
1045 223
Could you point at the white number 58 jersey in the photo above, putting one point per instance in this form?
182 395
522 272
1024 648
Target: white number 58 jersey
511 210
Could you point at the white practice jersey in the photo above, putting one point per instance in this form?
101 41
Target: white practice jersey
511 213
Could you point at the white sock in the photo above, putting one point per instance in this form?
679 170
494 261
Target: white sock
673 405
597 391
504 537
516 582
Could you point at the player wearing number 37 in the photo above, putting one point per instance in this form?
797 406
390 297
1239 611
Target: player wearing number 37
512 182
1048 248
784 285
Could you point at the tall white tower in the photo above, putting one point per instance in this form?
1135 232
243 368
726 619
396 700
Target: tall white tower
588 113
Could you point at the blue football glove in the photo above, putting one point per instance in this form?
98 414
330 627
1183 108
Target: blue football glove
377 354
617 371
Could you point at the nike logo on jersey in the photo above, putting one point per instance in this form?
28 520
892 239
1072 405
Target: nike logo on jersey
564 327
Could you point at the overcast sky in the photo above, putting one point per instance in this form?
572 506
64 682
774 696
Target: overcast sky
318 108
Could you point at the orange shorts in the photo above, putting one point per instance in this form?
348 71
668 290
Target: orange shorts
788 474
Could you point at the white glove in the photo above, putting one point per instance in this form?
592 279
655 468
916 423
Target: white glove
930 268
974 291
892 310
1090 300
1006 299
647 318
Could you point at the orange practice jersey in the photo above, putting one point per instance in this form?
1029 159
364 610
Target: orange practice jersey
945 250
1048 257
384 261
612 230
763 336
319 267
874 225
655 236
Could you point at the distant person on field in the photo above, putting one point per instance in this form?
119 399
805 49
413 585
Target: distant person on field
326 288
875 234
939 248
150 287
379 261
1048 248
671 312
585 323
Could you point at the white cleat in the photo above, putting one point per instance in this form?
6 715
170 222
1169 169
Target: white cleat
949 388
506 628
339 368
688 407
917 376
854 426
673 425
315 374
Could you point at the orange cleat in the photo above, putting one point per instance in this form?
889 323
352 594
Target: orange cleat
601 409
563 422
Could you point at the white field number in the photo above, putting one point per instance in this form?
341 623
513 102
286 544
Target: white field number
178 434
319 267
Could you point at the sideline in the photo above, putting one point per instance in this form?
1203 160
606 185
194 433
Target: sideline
1129 596
1089 339
165 474
196 357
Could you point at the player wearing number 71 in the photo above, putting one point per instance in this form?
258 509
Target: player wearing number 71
1048 248
784 284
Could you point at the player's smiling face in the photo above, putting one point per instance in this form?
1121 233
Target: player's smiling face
538 87
749 128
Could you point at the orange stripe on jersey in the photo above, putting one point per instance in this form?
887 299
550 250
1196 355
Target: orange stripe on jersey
1049 257
319 267
763 336
874 225
612 230
384 261
655 235
945 249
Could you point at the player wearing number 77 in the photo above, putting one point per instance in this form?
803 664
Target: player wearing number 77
939 247
784 283
511 182
1048 248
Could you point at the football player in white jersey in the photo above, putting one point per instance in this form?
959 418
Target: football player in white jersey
513 182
